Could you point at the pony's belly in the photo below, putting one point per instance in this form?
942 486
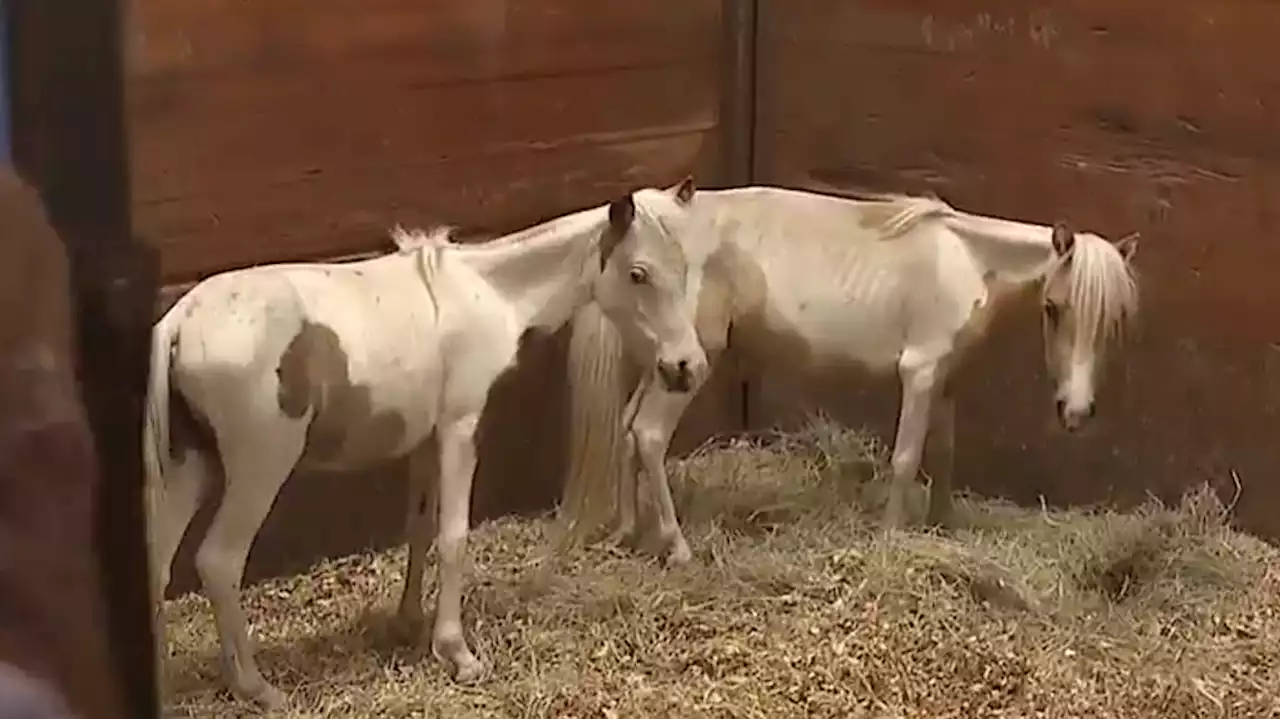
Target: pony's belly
836 334
816 346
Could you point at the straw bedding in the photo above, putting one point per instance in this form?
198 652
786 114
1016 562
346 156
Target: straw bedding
794 607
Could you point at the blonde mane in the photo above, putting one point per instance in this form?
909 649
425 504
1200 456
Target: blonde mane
426 242
894 215
410 240
1101 287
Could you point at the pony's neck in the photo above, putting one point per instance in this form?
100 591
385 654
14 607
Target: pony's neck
1017 253
543 271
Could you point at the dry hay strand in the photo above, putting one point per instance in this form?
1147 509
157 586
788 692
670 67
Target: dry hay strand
794 606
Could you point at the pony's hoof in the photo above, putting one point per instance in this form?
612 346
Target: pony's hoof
623 538
469 671
680 554
892 523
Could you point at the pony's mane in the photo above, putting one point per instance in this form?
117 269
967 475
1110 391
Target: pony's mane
410 240
894 214
1101 287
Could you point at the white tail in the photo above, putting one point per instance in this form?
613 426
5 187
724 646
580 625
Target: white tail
155 437
155 427
598 388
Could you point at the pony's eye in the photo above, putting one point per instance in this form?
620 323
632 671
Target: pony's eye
1051 312
639 275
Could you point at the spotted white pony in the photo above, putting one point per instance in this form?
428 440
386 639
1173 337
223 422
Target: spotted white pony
340 366
887 283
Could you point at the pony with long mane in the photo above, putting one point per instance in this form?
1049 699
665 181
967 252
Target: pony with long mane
891 284
343 365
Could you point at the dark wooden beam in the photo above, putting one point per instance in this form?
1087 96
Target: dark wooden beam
738 93
70 139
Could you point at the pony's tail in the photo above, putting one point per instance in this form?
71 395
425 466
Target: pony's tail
155 428
598 374
155 436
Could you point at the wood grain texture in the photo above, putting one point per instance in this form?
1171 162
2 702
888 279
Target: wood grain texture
282 130
1122 117
285 130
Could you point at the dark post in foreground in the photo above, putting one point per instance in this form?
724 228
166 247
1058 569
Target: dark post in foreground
70 140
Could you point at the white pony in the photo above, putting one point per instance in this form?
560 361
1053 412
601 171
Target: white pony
339 366
889 283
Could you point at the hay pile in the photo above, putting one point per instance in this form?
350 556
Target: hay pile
795 608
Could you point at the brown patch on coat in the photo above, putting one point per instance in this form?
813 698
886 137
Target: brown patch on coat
347 428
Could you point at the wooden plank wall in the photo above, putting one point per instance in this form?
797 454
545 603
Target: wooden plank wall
1138 116
282 130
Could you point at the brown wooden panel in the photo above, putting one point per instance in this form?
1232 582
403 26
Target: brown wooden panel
329 214
452 40
1149 116
280 130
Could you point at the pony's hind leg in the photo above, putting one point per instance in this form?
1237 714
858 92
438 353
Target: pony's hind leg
457 472
258 457
177 497
940 450
420 509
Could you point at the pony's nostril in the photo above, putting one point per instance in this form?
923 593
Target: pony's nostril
1093 409
683 365
1062 407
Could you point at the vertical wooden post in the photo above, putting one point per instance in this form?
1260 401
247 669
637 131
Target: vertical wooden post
70 139
738 92
738 116
4 81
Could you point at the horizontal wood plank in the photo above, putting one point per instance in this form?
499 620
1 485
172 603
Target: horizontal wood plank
274 134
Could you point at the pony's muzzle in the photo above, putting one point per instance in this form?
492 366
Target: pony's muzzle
676 376
1073 419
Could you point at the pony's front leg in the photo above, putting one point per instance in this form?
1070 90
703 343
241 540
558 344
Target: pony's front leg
420 509
654 424
940 453
457 471
918 379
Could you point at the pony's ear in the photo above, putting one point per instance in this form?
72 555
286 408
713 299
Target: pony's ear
1128 247
1063 238
622 212
684 190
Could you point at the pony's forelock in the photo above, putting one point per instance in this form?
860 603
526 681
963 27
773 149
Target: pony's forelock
1101 287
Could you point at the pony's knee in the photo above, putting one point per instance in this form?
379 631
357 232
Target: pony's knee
218 567
648 440
918 368
451 541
